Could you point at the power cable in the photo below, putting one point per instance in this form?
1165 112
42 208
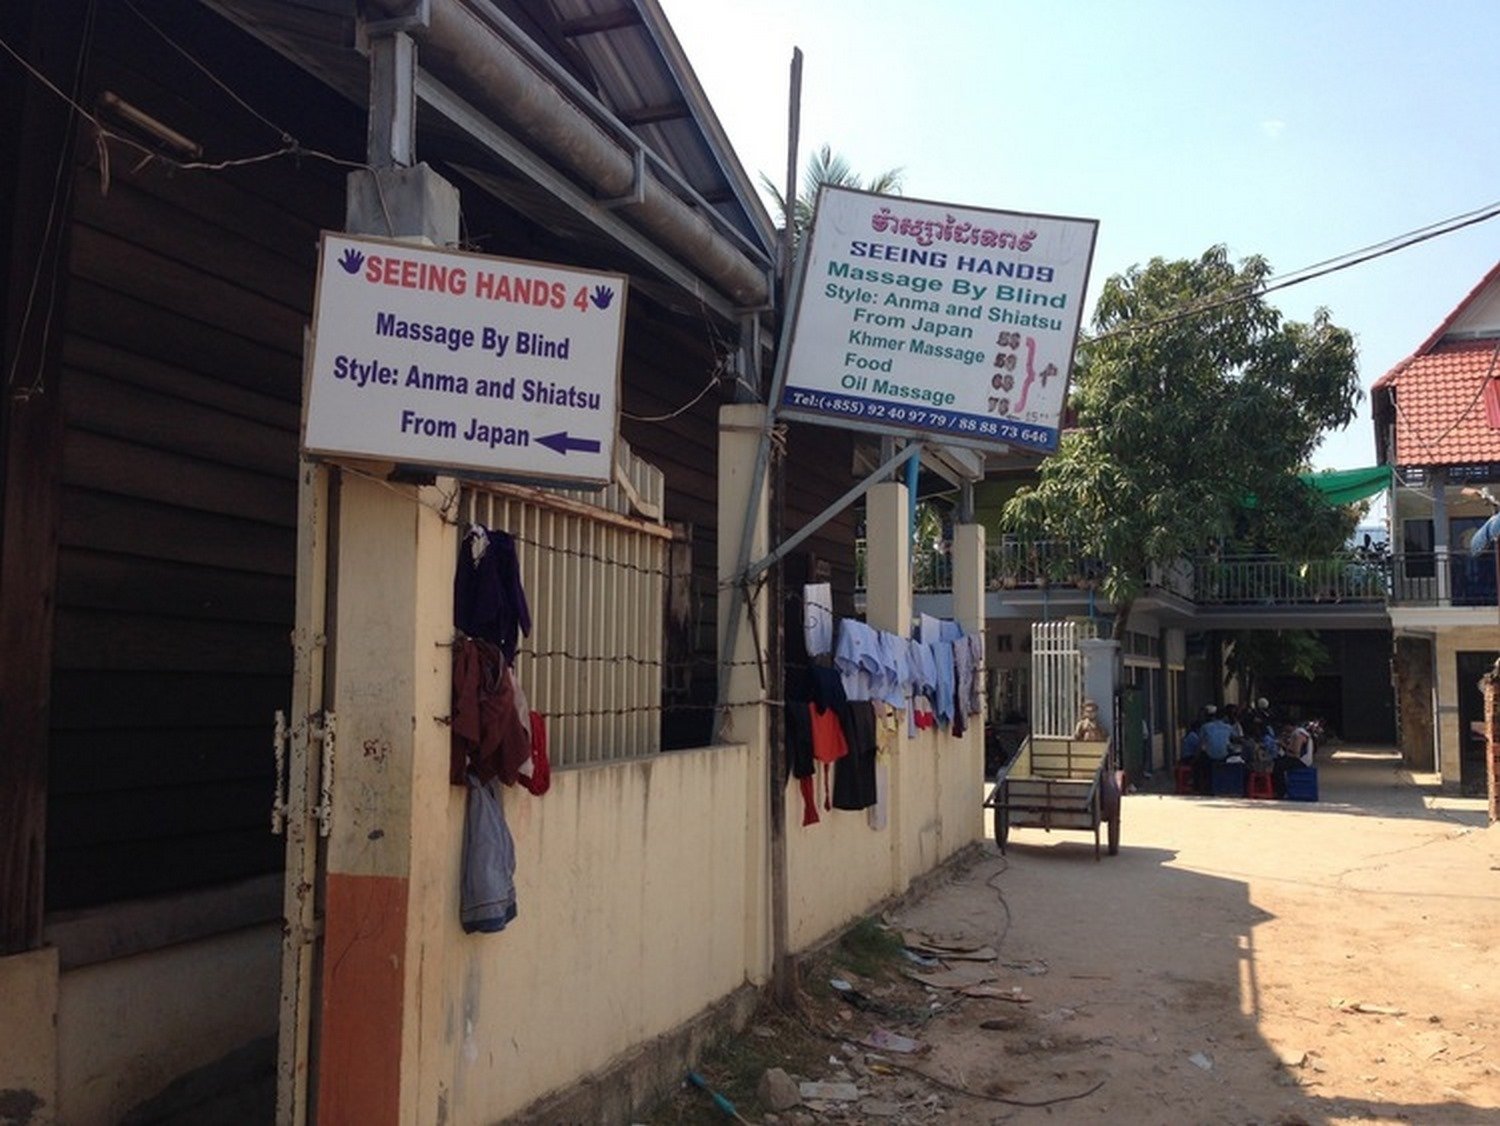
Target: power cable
1310 273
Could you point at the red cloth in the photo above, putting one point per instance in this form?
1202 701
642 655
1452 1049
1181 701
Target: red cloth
540 778
809 800
488 739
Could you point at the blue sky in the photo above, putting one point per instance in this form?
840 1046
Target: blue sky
1297 131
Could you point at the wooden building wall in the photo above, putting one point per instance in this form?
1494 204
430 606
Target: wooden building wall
186 301
179 344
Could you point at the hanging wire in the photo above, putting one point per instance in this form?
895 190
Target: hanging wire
49 228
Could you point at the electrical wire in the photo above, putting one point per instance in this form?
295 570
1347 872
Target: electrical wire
713 381
63 159
1310 273
1431 448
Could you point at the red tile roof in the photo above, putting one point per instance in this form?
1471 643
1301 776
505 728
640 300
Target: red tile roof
1446 408
1441 416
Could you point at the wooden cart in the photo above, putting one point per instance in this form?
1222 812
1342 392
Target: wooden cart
1057 784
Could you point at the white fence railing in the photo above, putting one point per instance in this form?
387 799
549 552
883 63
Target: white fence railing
595 579
1057 675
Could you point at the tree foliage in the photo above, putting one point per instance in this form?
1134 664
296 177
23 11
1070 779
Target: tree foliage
1191 395
825 167
1256 655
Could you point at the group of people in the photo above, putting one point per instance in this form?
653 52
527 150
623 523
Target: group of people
1249 736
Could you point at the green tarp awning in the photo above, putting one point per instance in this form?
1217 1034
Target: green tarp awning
1346 486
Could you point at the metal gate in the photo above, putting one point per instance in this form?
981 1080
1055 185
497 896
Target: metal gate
1057 675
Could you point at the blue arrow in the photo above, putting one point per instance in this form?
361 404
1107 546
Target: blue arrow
562 442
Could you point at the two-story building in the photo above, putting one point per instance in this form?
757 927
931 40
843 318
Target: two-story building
1437 424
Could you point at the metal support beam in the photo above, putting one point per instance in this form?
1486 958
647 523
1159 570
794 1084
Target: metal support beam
524 159
391 140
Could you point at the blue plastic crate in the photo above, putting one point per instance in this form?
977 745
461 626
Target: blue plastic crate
1302 785
1229 779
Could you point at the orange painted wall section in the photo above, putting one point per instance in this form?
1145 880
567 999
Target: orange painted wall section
359 1068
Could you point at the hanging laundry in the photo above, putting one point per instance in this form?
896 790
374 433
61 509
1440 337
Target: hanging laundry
487 736
488 599
487 901
799 756
826 711
854 774
857 657
536 772
817 618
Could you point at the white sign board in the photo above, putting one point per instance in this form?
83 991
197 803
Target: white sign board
920 317
464 362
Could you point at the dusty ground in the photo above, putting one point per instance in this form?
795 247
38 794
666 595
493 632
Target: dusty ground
1238 962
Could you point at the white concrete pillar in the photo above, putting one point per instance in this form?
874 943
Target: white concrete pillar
1101 676
888 608
391 852
392 856
968 611
740 427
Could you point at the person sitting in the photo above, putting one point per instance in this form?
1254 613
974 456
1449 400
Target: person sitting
1216 734
1296 748
1192 742
1087 729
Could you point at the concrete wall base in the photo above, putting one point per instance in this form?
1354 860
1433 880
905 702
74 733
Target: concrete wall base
28 1032
638 1079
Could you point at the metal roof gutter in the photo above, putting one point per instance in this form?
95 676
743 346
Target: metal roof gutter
488 61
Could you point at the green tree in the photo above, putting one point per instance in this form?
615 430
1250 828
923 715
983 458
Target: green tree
1255 655
1191 395
825 167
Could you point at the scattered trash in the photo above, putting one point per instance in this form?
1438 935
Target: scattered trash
1375 1010
1294 1059
978 954
926 961
883 1040
879 1108
850 994
829 1092
1063 1013
969 973
996 992
942 947
1198 1059
1031 969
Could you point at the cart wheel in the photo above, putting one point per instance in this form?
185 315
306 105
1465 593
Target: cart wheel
1114 833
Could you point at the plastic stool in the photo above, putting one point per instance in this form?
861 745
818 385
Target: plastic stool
1302 785
1229 779
1260 784
1182 778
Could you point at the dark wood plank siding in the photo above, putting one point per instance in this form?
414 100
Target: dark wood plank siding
181 374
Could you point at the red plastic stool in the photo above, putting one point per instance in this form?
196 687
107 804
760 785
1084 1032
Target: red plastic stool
1260 784
1183 778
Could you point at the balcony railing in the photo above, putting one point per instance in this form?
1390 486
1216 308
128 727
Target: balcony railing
1428 578
1266 580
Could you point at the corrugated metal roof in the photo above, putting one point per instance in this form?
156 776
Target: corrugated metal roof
645 78
622 53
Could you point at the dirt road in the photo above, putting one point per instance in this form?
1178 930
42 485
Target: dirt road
1238 962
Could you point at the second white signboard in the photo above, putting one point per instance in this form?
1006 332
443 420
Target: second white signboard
920 317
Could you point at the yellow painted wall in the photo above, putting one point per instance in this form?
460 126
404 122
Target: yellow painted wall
127 1028
634 884
1450 738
